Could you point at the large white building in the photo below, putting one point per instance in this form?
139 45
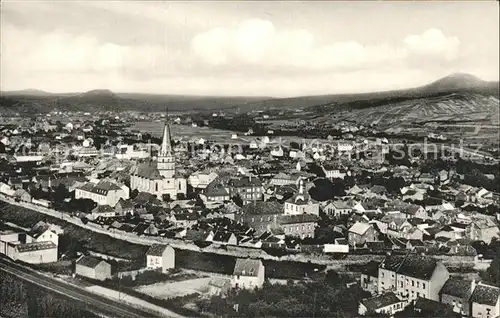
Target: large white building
160 177
103 193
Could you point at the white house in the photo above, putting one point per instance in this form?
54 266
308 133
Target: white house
160 256
248 273
301 203
103 193
93 268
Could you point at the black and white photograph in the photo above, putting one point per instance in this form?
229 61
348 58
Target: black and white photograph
249 159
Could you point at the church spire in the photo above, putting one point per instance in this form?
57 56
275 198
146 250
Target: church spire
166 144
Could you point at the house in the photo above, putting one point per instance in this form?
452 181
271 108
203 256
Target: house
22 195
200 180
337 208
248 273
360 233
160 257
21 246
216 192
282 179
124 207
424 307
103 211
103 193
387 304
415 211
219 286
412 276
199 236
225 238
44 234
299 225
260 215
185 220
331 171
248 188
93 268
301 203
369 277
483 230
456 293
485 301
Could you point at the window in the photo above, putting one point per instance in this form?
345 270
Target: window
418 284
401 284
413 283
382 274
423 285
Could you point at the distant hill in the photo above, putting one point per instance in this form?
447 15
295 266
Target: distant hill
26 92
30 101
455 83
34 101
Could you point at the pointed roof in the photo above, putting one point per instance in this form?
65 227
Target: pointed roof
166 144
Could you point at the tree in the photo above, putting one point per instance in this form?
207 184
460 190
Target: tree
60 193
237 200
492 274
134 193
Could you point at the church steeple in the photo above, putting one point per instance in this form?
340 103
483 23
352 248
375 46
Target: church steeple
166 144
166 159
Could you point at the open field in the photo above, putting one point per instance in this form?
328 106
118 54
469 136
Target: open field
168 290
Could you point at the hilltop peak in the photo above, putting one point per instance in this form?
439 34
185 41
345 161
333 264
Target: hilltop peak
98 92
456 81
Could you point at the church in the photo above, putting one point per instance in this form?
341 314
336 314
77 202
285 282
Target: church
160 177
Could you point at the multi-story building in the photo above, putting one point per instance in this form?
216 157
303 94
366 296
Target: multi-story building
103 193
301 225
412 276
248 188
260 215
301 203
483 230
360 233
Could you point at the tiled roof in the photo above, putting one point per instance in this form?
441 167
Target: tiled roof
298 219
485 294
263 207
457 287
36 246
380 301
88 261
148 170
215 189
359 228
247 267
411 265
221 236
156 250
244 182
102 187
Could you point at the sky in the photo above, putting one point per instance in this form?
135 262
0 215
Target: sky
244 48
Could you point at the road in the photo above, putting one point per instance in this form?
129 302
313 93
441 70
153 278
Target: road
95 302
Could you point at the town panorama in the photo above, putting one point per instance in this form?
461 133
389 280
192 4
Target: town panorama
249 159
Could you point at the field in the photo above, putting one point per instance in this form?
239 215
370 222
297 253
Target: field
166 290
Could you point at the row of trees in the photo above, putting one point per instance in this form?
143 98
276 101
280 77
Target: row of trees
326 297
34 301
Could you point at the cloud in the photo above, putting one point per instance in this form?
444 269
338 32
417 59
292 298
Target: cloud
433 42
258 42
57 51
